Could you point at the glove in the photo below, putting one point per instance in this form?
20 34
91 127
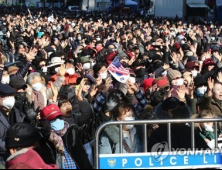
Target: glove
31 113
112 102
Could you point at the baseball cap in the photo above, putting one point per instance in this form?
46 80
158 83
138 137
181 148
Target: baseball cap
50 112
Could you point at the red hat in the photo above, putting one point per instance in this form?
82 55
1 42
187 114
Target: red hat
208 62
191 65
162 82
50 112
148 83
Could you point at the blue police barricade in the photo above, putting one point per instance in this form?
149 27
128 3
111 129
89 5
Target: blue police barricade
167 157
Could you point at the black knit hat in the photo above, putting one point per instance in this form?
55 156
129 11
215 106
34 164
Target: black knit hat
22 135
200 81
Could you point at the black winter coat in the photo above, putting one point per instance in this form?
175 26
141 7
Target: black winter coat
74 147
181 137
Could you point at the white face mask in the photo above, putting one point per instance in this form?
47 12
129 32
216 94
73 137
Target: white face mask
183 42
70 71
9 102
98 39
194 72
213 38
79 38
103 75
179 82
73 24
5 79
129 127
44 69
87 66
208 128
201 90
37 86
164 73
132 80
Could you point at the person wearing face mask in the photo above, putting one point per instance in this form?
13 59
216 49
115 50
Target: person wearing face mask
193 67
9 115
100 70
109 140
172 108
175 79
62 146
22 150
206 130
85 61
37 93
21 100
140 69
70 76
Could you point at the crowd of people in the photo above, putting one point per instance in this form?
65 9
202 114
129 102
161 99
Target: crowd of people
57 89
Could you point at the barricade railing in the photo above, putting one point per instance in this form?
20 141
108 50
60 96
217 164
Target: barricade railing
191 122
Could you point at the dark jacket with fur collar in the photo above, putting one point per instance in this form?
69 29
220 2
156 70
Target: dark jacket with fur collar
109 141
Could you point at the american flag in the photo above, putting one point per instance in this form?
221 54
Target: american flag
118 71
116 67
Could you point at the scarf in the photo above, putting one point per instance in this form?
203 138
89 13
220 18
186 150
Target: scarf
38 99
56 138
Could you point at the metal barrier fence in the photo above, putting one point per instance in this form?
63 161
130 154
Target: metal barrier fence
145 123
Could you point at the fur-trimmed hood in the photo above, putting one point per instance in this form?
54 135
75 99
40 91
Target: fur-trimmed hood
113 133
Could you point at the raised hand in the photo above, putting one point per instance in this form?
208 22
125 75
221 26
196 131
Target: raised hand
93 91
181 92
62 70
80 69
55 92
108 84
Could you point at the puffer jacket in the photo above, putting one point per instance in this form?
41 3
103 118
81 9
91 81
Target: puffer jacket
22 71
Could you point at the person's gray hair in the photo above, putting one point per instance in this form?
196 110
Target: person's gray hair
31 77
